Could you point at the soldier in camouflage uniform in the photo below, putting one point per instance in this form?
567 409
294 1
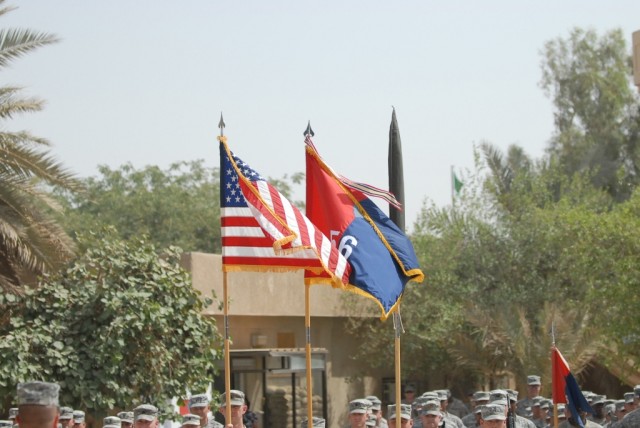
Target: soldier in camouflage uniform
126 419
199 405
112 422
405 415
533 390
472 420
376 409
454 421
37 405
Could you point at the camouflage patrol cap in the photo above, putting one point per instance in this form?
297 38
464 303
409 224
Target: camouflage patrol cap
376 404
431 395
512 394
533 380
145 412
598 399
481 396
405 411
38 393
628 397
13 412
442 394
237 398
317 422
112 421
372 420
198 400
537 401
636 390
619 404
190 419
359 405
419 402
431 408
492 412
66 413
126 417
6 423
499 396
78 416
546 404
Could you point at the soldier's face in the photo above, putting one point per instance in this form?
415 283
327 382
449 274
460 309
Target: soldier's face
430 421
32 416
140 423
202 412
533 390
357 420
495 423
404 423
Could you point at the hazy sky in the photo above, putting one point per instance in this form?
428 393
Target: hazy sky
145 81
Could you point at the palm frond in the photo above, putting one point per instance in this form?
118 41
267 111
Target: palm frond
11 103
15 43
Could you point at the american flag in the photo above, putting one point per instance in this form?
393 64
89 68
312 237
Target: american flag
262 230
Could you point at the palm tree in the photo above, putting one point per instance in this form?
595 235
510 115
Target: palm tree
31 240
514 342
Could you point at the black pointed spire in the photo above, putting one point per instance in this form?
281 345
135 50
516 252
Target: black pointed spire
396 173
308 131
221 125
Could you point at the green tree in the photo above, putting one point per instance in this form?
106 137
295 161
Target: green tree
120 326
597 114
178 206
31 240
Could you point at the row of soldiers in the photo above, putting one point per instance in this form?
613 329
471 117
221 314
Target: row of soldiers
38 407
432 409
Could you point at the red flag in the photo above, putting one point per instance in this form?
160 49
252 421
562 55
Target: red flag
263 231
559 372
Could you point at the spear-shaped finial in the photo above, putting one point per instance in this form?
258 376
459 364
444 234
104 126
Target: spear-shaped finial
308 131
221 125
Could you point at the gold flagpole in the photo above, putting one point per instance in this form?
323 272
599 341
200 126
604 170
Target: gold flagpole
227 355
555 415
227 346
398 330
307 325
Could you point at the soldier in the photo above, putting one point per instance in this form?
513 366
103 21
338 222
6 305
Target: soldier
37 405
199 405
190 421
493 416
628 402
78 419
597 404
472 420
572 422
376 409
126 419
238 408
372 420
454 421
455 406
145 416
431 415
112 422
519 421
66 417
358 410
13 412
533 390
405 415
317 423
409 394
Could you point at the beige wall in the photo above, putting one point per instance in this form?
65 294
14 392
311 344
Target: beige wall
636 58
272 303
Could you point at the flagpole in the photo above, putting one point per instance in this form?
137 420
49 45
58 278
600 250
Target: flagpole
227 355
398 331
227 344
453 185
307 326
553 376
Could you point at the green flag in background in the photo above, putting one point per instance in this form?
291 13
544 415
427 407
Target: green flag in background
457 184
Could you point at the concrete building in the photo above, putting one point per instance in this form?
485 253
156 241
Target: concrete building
266 320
